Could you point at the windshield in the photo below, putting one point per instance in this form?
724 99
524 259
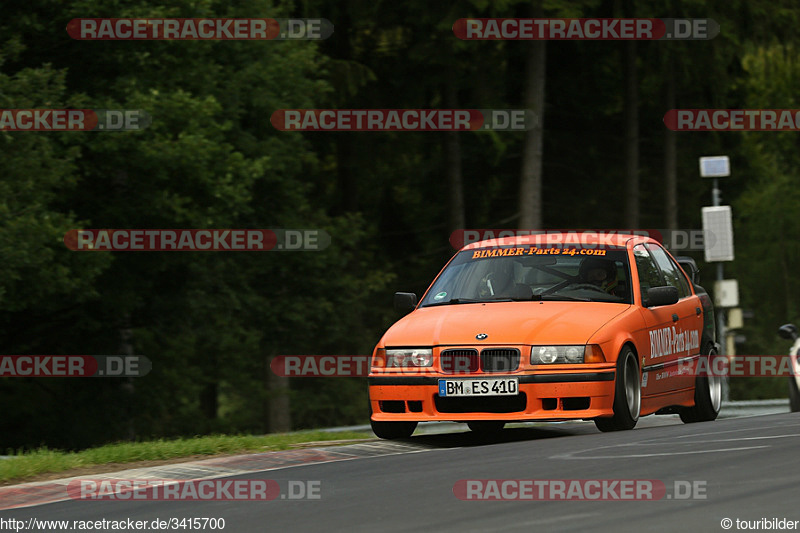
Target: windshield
527 272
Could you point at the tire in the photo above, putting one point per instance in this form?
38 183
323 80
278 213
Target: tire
393 430
627 395
486 426
707 396
794 395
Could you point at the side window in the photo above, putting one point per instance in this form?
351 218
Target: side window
672 274
649 275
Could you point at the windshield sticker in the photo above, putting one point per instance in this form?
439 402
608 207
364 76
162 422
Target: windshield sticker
440 296
533 250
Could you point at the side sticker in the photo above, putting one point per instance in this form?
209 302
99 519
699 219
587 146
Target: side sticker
670 340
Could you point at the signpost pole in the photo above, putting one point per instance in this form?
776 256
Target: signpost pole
721 330
716 167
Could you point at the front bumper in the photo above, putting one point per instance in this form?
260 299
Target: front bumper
542 396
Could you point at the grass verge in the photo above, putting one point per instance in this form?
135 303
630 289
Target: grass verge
24 465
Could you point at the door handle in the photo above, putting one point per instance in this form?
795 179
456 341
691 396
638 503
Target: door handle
698 311
674 318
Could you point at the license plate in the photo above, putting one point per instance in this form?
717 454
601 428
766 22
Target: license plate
479 387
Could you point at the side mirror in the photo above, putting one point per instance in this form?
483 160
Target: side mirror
657 296
690 267
788 331
405 302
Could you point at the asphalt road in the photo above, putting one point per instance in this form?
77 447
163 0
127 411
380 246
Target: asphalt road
745 468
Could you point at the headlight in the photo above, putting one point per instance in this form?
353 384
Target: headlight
546 355
409 357
574 354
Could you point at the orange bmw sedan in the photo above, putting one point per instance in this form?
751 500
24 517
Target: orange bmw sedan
515 330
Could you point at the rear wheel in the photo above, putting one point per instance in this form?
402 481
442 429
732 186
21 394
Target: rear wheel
627 395
794 395
707 395
486 426
393 430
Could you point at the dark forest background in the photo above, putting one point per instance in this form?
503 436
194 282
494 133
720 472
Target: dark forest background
210 322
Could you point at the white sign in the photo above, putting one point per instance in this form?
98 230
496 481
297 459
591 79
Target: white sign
715 167
735 320
726 293
718 228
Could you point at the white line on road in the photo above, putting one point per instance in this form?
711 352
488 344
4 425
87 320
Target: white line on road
571 455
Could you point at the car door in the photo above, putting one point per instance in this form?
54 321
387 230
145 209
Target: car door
665 324
689 327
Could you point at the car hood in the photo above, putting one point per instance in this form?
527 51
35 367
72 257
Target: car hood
503 323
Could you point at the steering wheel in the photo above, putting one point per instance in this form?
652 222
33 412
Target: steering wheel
559 286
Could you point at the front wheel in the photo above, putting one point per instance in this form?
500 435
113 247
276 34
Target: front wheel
627 395
393 430
794 395
707 395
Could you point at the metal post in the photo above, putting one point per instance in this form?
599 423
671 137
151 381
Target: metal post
722 334
721 330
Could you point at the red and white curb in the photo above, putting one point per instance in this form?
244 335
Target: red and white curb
44 492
